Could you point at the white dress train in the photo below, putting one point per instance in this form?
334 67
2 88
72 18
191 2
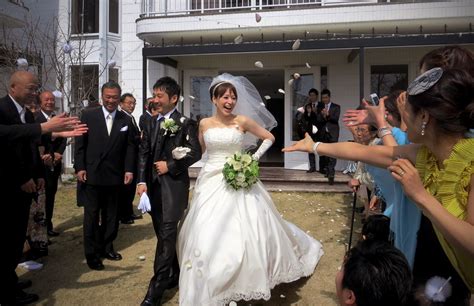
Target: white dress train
234 245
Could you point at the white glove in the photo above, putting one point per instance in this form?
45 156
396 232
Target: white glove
266 144
180 152
144 205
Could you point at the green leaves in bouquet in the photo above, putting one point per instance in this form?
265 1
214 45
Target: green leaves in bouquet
241 171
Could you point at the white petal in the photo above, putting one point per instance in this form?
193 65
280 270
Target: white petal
296 45
112 63
187 137
267 97
22 62
197 253
258 64
192 97
296 75
258 18
301 110
67 48
308 65
141 258
239 39
57 94
290 81
282 296
262 104
181 98
182 119
281 91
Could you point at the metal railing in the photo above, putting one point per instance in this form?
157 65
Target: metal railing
153 8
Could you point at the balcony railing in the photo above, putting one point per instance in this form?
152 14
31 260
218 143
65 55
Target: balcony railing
152 8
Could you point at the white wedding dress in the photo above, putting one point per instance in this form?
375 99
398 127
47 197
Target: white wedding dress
234 245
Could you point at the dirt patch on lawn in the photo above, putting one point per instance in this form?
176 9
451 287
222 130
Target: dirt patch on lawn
66 280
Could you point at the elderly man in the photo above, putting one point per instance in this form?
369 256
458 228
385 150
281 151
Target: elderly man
51 157
104 161
21 178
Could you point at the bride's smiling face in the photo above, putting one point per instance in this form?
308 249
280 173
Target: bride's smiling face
226 103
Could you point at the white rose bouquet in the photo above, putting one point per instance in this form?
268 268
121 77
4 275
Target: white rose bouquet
241 171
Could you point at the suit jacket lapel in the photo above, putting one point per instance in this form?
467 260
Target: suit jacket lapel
175 116
116 126
13 111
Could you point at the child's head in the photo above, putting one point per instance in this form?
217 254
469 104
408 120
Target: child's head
377 227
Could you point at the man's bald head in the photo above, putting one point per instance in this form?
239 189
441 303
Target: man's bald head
23 87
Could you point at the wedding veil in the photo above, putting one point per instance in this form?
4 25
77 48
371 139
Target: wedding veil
249 104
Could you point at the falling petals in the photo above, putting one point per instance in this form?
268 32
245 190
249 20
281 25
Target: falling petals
258 18
57 94
281 91
308 65
181 98
22 62
267 97
258 64
239 39
192 97
296 45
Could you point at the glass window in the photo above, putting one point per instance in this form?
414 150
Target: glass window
114 75
299 97
85 16
114 16
85 86
386 78
201 107
324 77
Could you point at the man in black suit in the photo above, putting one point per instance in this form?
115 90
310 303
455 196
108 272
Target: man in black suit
104 161
164 176
146 116
127 192
21 178
327 115
51 157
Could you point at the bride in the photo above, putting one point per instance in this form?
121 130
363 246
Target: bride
233 245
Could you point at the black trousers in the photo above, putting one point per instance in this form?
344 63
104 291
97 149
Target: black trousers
127 194
100 220
166 262
16 209
51 180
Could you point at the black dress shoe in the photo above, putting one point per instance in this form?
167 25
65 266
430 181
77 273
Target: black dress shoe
23 298
23 284
311 171
136 217
95 264
331 180
127 221
52 233
113 256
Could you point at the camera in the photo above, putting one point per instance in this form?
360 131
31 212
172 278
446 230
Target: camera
374 99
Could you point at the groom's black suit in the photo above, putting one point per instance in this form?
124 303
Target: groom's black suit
168 192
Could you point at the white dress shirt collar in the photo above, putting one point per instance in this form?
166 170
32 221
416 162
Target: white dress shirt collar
167 115
106 113
21 110
46 115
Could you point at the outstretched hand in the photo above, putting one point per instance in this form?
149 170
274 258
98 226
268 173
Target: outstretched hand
304 145
78 130
60 123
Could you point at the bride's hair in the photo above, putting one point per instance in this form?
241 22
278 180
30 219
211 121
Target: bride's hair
219 89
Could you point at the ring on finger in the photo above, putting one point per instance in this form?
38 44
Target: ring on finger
402 173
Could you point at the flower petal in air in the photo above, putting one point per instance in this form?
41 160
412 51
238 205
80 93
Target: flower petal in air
296 45
258 64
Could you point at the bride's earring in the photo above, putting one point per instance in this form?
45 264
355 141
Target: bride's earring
423 126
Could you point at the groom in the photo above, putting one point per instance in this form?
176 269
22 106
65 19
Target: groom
163 174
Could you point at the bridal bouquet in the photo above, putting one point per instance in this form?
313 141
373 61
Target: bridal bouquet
241 171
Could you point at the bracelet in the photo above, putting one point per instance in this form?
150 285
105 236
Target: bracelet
315 147
384 131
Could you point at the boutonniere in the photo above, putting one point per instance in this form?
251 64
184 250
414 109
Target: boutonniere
170 127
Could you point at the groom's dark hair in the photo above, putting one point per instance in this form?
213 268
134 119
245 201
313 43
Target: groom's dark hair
168 85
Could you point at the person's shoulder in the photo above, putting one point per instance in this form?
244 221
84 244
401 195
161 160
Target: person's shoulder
204 123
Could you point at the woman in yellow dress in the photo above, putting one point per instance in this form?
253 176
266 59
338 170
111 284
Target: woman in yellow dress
436 172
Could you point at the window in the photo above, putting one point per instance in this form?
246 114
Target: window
200 106
386 78
324 77
299 98
114 75
84 86
85 16
114 16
